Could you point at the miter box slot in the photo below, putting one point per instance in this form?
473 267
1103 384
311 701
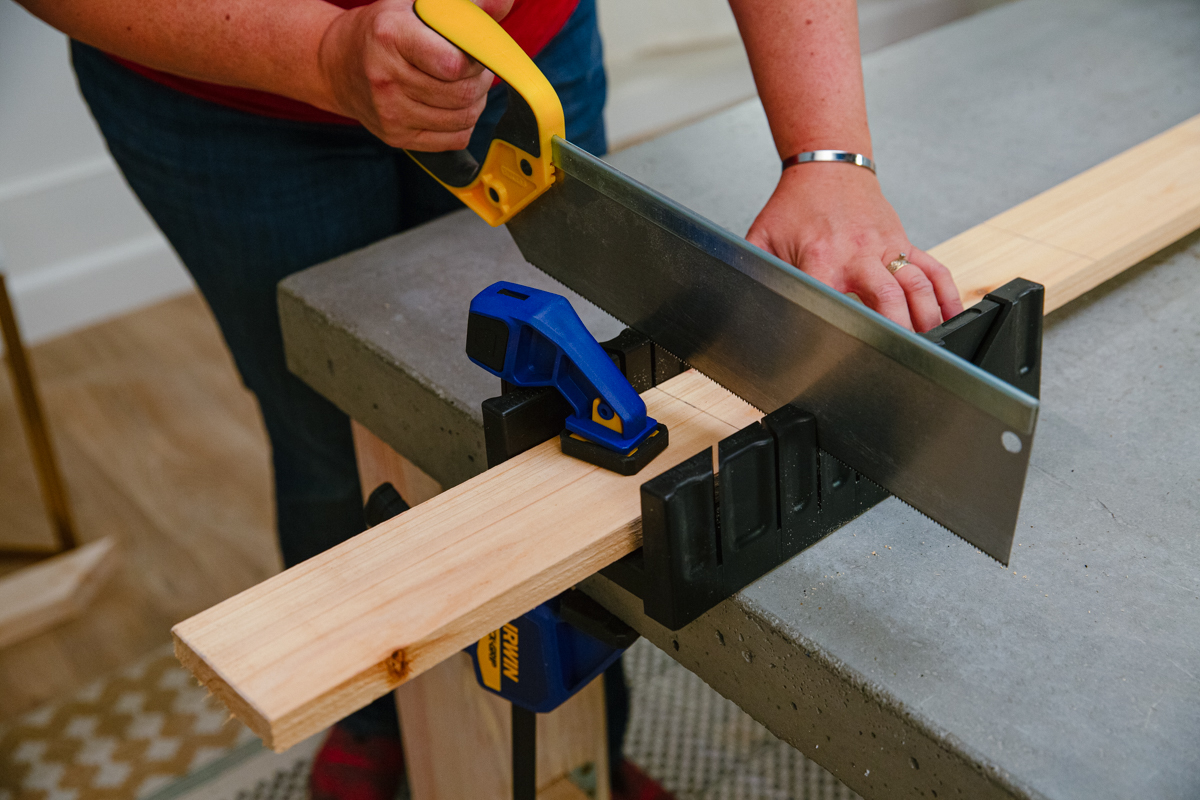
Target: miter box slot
706 535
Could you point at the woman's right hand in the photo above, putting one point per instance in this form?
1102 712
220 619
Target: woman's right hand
402 80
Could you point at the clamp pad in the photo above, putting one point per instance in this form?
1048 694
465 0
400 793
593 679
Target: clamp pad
630 463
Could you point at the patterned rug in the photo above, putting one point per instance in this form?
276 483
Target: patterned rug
150 732
703 747
120 738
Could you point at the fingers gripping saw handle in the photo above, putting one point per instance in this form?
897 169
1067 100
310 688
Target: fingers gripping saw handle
517 167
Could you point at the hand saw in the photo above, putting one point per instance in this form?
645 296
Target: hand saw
936 431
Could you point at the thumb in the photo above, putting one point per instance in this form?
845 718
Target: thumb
757 236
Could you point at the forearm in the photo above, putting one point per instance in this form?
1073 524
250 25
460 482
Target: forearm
831 220
806 62
271 45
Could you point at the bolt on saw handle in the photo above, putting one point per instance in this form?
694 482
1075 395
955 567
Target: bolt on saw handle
517 167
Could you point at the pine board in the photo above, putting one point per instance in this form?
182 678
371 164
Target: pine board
300 650
1075 236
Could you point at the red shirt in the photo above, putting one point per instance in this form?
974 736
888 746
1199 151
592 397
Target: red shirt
532 23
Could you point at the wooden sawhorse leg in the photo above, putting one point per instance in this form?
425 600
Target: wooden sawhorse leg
457 737
54 494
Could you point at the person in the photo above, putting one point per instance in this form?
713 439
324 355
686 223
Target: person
263 137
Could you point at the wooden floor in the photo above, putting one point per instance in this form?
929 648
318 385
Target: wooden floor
161 447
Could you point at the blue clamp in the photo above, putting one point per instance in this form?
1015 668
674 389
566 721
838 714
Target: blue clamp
541 659
533 338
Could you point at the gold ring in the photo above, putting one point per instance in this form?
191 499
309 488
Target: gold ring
898 264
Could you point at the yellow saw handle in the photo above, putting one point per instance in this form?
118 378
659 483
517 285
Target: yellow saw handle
517 168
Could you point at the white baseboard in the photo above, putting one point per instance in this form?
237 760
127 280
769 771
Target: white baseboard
76 292
77 248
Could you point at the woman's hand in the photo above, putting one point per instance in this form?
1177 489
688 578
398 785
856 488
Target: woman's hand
402 80
832 221
378 63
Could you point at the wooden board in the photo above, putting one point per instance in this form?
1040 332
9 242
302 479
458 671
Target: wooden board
50 592
299 651
1084 231
456 735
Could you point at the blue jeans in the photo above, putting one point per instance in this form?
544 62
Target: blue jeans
247 200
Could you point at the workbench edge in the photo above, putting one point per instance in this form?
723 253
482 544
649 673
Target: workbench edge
418 420
904 756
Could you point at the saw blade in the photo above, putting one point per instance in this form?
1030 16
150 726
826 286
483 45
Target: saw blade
939 433
862 477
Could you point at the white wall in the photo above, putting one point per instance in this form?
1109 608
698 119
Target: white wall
78 248
675 61
669 62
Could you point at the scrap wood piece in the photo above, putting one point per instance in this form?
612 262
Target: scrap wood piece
1075 236
299 651
326 637
50 592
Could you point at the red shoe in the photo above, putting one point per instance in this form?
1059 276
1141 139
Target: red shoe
349 767
632 784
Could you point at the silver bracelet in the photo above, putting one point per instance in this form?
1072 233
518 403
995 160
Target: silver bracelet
843 156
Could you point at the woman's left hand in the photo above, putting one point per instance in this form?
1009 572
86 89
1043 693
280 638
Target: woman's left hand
832 221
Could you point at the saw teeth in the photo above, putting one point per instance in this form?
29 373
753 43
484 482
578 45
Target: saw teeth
919 511
943 527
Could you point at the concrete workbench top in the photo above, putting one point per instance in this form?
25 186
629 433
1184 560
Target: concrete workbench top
892 653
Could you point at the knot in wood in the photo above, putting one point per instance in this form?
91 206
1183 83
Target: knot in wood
397 666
